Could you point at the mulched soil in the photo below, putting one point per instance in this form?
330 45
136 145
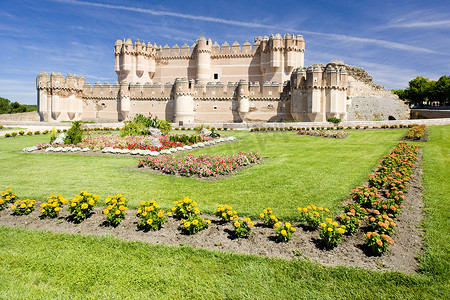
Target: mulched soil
401 256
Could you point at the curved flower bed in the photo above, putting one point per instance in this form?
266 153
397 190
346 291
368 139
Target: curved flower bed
416 132
202 165
337 134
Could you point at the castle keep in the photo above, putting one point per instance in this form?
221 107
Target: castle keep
263 82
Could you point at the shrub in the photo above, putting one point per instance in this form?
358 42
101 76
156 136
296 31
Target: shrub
37 132
45 132
388 207
13 134
284 231
23 207
116 209
7 135
225 213
313 215
334 120
7 196
30 133
382 223
1 126
21 132
150 215
193 224
331 233
365 196
352 217
75 134
243 227
51 208
268 217
58 130
82 205
378 243
53 135
185 208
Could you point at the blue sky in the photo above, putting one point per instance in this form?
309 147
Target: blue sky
395 41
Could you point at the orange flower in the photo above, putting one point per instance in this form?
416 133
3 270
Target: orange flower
379 243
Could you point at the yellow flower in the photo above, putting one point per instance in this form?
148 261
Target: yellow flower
187 224
122 207
161 214
144 214
43 205
147 208
287 224
335 224
84 206
195 222
110 207
316 214
329 220
142 203
194 203
13 207
272 217
149 221
73 204
119 195
340 230
107 200
169 213
174 203
313 207
250 224
96 197
174 208
330 229
196 211
42 210
57 209
117 212
105 212
237 224
8 190
320 208
308 207
305 210
277 225
293 229
224 215
187 200
23 205
261 215
283 232
323 224
55 204
208 221
114 201
299 208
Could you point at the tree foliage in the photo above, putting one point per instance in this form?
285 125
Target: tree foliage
8 107
422 90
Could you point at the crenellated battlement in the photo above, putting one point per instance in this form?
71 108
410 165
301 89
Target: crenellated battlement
59 82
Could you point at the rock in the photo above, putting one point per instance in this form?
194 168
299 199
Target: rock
153 131
150 141
205 131
60 139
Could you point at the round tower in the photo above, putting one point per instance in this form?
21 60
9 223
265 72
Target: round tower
243 99
184 102
203 60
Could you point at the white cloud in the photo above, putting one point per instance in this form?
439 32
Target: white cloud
420 24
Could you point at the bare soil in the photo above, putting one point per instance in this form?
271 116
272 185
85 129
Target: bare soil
401 256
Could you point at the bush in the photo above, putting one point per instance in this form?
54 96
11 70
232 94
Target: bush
193 224
45 132
268 217
1 126
7 196
51 208
334 120
243 227
116 209
82 205
378 243
7 135
75 134
165 127
23 207
58 130
30 133
331 233
225 213
150 215
284 231
13 134
185 208
37 132
131 129
313 215
21 132
53 135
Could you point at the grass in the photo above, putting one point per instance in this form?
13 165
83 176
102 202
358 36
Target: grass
298 171
47 265
11 128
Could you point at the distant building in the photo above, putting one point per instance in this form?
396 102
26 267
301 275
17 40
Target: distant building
263 82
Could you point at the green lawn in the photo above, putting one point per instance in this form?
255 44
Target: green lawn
299 170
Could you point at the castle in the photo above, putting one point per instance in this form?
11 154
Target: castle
263 82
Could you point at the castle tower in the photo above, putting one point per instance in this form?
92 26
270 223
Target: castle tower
184 102
123 101
134 63
243 99
44 101
336 90
299 106
203 51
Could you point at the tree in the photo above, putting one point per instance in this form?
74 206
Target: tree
441 90
419 90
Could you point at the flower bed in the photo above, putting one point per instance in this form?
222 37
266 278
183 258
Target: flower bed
202 165
337 134
416 132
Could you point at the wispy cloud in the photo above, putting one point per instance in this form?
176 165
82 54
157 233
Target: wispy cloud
420 24
382 43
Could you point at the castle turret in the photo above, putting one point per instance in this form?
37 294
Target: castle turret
203 60
243 99
184 102
277 46
44 101
123 101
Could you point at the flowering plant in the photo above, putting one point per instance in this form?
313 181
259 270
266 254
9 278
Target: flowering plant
337 134
243 227
378 243
388 207
284 231
416 132
193 224
7 197
382 223
51 208
313 215
150 215
116 209
331 233
268 217
23 207
185 208
226 213
365 196
82 205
